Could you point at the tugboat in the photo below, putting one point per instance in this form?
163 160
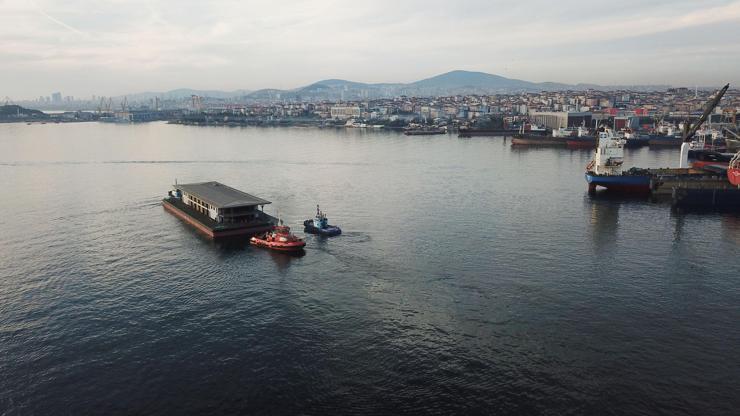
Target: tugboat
320 225
279 238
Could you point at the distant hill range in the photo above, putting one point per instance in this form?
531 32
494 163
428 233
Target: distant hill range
447 84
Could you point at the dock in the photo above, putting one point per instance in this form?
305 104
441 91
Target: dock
710 190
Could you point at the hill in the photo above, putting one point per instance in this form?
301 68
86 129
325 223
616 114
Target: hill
13 111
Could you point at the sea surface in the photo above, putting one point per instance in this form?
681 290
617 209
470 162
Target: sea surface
471 278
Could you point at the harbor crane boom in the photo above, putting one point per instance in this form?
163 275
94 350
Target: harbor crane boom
683 161
689 132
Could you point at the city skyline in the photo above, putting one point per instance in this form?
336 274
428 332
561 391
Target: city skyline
114 48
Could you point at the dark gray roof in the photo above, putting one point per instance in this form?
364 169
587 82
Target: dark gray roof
220 195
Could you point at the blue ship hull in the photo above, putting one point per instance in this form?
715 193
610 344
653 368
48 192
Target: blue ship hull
329 231
619 183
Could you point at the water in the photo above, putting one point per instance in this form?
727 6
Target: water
471 278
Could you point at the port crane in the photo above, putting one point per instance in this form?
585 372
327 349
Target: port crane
105 105
196 102
690 130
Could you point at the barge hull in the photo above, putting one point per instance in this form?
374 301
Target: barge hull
620 183
213 231
720 199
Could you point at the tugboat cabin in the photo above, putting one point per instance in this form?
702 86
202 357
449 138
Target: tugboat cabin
218 209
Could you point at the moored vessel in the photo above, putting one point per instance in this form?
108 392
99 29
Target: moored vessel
664 140
537 140
605 169
425 131
584 142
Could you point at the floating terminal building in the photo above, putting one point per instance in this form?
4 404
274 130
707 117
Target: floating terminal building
218 210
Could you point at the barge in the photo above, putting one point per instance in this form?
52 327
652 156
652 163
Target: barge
424 132
468 132
218 210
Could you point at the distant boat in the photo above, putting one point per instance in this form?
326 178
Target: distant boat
664 140
115 119
468 132
425 131
537 140
584 142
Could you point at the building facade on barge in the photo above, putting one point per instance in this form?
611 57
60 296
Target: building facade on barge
218 210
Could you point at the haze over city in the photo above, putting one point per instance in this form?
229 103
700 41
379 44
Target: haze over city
117 47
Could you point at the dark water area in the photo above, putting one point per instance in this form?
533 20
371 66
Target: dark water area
471 278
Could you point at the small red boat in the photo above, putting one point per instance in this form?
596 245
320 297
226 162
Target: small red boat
733 170
279 238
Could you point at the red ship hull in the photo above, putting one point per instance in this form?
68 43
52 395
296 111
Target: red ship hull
703 163
581 144
293 246
733 174
279 239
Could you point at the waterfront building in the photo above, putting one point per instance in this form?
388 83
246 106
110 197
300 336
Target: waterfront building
344 112
560 119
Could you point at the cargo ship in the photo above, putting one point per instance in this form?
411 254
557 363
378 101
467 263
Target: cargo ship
583 142
576 138
664 141
605 169
217 210
537 140
532 135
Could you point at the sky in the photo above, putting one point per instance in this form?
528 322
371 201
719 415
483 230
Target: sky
115 47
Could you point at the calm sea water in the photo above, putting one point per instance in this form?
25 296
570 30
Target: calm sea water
472 278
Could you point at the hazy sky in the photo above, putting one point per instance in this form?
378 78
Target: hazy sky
112 47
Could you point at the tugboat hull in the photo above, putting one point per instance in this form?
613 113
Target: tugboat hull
620 183
329 231
275 245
